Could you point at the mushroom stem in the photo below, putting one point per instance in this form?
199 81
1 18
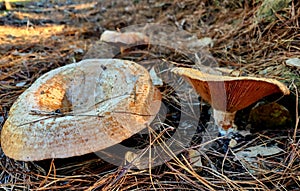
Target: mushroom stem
225 121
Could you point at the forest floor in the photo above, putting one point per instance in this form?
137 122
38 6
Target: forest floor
244 36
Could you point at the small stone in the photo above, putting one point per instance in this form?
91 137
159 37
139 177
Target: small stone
20 84
232 143
294 62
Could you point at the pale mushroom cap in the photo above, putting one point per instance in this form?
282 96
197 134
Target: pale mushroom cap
126 38
104 101
230 94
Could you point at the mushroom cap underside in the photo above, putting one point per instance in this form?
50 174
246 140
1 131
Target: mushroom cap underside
227 93
80 108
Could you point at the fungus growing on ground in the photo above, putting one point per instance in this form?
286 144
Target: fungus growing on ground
80 108
112 43
227 94
124 40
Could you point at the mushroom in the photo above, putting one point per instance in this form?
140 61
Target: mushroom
124 40
111 43
227 94
80 108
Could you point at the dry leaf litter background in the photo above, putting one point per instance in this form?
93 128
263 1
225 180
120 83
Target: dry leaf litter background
242 36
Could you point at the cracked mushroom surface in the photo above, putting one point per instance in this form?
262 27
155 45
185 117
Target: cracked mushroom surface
80 108
227 94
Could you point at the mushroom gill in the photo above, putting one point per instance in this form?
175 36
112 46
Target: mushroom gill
227 94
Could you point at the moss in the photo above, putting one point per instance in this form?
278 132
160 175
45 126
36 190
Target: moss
270 116
269 7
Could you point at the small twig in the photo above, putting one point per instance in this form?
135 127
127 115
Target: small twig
297 114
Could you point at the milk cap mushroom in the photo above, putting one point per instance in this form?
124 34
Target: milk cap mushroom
80 108
228 94
125 39
111 43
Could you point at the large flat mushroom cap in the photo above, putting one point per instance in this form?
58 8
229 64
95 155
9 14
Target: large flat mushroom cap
80 108
227 93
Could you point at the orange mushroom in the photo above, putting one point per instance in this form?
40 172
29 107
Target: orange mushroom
80 108
227 94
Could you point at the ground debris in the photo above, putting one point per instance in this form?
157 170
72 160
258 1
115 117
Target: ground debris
38 36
